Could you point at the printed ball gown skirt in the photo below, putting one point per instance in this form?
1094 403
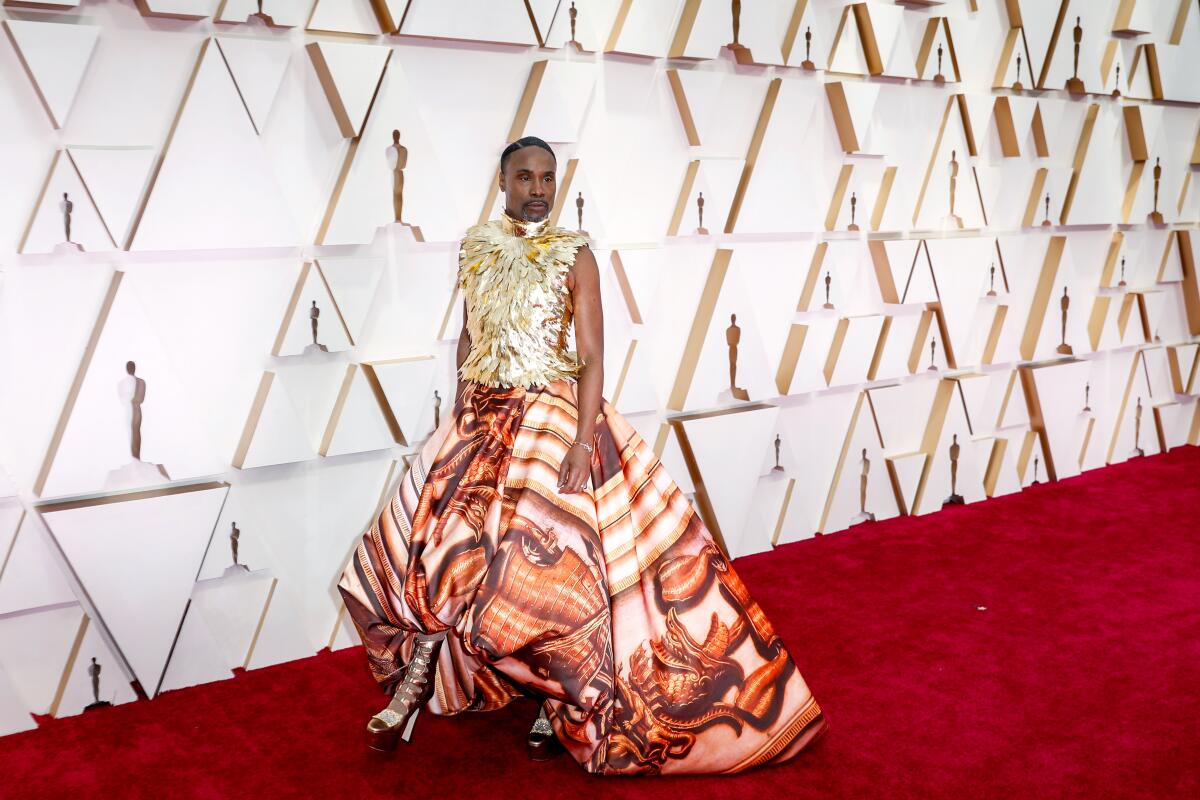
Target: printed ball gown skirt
613 605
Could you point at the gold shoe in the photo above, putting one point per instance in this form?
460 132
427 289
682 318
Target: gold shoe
385 729
541 744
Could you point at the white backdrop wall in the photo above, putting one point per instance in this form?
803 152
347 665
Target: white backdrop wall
228 170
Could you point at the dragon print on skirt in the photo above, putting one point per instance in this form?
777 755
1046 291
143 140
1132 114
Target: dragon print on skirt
613 605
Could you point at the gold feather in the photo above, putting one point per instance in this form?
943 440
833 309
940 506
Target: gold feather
518 305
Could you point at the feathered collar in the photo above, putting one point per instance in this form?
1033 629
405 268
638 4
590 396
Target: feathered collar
519 227
513 243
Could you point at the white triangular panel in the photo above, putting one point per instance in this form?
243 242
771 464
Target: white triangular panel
480 20
283 636
765 508
95 450
14 714
861 99
731 476
900 412
1007 479
48 228
813 24
213 148
353 70
35 308
56 56
353 282
710 383
909 468
847 54
258 67
34 649
32 577
344 16
725 109
968 482
116 177
409 384
138 560
845 498
253 551
359 425
313 385
562 100
330 331
79 692
647 29
229 608
196 657
280 435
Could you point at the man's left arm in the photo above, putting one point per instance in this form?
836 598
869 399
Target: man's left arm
589 346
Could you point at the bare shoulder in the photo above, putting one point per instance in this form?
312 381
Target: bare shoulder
584 268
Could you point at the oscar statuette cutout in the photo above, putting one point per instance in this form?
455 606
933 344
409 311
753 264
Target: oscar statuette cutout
93 671
67 206
1137 431
266 18
131 390
397 159
235 537
1155 217
955 499
853 226
700 229
863 515
777 467
807 63
953 220
1064 303
574 15
741 53
1074 84
733 335
314 315
579 215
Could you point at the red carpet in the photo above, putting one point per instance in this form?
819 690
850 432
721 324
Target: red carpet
1081 678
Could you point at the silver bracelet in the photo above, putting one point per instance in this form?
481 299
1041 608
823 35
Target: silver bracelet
589 447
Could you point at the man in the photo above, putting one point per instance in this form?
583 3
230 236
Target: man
496 572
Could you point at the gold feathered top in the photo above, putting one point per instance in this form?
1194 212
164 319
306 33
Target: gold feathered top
514 278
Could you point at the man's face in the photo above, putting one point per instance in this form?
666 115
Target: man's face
528 184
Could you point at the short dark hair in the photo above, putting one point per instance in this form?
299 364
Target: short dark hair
523 142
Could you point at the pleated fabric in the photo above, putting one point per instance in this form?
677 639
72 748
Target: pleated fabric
613 605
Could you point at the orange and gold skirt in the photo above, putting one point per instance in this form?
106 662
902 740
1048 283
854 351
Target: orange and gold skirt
612 604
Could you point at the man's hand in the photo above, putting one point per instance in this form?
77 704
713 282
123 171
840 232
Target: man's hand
573 473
